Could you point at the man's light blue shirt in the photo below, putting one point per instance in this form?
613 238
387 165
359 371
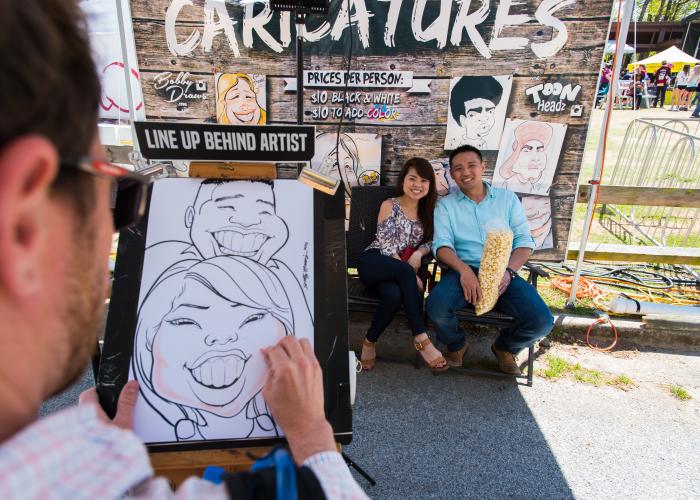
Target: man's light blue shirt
461 224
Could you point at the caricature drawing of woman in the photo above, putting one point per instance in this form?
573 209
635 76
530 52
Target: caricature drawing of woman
523 169
197 346
237 101
346 164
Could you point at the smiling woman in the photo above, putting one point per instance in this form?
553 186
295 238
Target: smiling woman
240 99
197 348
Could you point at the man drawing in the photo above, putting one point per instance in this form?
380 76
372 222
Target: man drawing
56 223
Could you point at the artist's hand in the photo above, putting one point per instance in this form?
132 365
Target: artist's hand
415 261
124 417
505 281
470 286
294 392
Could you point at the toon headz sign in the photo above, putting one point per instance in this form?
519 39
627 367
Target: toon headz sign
186 141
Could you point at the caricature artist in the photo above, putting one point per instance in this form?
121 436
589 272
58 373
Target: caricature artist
55 235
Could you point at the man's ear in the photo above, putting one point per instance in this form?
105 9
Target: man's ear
28 166
462 121
189 216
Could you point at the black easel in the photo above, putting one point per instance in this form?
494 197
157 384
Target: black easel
359 469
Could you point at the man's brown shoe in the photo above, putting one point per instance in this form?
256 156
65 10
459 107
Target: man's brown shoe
507 362
455 358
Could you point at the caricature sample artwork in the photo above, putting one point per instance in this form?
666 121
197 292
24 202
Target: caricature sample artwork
224 275
443 179
528 156
240 99
477 109
538 210
357 162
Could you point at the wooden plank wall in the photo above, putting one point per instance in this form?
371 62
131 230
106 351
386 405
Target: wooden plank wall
421 129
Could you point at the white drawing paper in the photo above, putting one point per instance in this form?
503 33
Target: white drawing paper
241 99
444 182
228 270
538 210
357 162
528 156
477 110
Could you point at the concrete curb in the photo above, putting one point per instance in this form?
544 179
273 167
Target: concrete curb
396 344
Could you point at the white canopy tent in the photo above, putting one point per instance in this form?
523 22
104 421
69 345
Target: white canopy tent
610 47
673 55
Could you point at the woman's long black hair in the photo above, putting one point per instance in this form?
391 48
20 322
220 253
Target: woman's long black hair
426 205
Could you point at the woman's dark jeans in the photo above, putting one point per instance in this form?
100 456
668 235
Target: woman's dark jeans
396 283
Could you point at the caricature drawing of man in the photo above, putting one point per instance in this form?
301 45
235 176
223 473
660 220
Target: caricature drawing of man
523 169
234 218
539 217
473 102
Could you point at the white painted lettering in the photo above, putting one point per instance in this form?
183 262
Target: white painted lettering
257 24
176 48
217 8
469 22
544 16
503 19
345 20
438 29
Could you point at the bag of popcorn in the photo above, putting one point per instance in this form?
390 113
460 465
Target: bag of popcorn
494 261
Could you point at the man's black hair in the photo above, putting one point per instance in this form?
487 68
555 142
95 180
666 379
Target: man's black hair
473 87
466 148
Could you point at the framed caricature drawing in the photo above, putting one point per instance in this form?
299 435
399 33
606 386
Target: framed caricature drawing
218 270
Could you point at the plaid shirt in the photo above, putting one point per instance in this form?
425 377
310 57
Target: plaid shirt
73 455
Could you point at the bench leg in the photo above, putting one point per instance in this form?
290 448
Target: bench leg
530 364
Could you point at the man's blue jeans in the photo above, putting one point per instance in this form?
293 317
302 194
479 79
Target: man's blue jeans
520 301
696 111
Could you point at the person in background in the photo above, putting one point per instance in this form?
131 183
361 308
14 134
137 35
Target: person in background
680 92
56 225
604 86
458 244
392 262
640 78
661 78
693 85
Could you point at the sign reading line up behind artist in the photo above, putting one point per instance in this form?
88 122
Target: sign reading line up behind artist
189 141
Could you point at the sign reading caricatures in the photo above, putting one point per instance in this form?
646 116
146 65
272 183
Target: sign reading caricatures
425 77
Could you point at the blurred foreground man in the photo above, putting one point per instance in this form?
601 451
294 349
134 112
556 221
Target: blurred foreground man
55 233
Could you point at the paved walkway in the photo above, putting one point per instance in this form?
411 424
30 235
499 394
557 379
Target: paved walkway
456 436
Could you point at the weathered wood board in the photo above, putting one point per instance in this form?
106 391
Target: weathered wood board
193 40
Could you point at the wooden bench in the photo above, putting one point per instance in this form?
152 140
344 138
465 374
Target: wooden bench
364 210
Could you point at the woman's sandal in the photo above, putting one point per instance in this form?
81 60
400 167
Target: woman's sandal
437 365
367 363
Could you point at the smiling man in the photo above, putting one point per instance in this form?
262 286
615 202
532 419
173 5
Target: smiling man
461 221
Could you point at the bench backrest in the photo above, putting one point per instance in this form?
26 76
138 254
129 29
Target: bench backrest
364 209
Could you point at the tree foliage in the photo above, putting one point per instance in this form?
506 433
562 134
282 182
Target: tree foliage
664 10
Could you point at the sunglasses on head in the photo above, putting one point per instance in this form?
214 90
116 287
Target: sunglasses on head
129 189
